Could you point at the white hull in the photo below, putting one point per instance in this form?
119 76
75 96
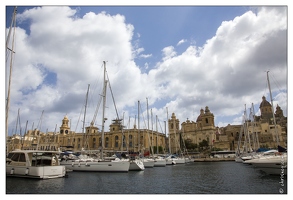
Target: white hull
44 172
97 166
148 163
170 161
275 165
160 163
272 168
136 165
180 160
34 164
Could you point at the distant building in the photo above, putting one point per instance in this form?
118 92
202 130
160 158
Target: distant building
261 131
116 139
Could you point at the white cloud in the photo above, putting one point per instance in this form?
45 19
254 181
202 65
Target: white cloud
224 74
145 55
181 42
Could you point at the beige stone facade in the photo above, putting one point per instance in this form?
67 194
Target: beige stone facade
261 130
133 139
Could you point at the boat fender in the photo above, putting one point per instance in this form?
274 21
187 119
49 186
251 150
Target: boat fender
26 171
85 163
72 163
79 164
12 171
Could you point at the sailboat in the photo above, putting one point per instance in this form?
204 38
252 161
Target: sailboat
160 161
147 161
99 164
136 164
275 164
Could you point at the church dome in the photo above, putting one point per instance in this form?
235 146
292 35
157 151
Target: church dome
264 103
200 115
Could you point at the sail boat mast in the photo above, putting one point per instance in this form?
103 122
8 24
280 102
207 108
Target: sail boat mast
85 142
13 24
168 133
103 113
277 137
138 126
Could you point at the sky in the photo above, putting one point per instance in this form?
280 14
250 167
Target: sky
170 59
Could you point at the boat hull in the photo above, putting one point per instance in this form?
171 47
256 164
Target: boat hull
160 163
97 166
170 161
148 163
45 172
136 165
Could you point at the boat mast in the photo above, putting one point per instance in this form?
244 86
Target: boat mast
104 105
138 127
157 133
277 137
13 24
85 142
169 132
151 142
39 125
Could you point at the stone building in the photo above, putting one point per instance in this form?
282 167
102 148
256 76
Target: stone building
203 129
259 132
116 139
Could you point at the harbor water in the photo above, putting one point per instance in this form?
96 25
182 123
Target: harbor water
193 178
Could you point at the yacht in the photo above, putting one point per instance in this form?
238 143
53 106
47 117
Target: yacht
34 164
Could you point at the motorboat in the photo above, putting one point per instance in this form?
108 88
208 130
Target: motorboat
34 164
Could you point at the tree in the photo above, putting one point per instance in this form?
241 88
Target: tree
203 144
189 145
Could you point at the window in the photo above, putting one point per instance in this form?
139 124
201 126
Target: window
107 142
116 141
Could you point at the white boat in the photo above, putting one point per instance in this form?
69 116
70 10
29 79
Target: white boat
148 162
101 164
160 162
97 165
170 160
34 164
136 165
180 160
273 164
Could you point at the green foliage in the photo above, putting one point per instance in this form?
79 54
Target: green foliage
189 145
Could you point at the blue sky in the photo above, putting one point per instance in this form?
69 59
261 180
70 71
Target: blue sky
183 58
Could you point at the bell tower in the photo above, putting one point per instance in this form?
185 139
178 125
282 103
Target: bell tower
266 110
64 128
173 124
